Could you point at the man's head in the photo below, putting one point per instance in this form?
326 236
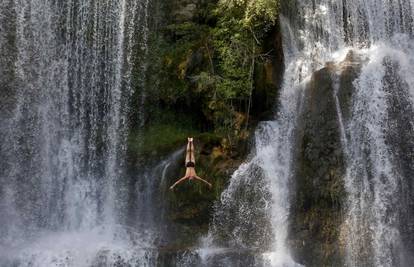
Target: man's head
190 139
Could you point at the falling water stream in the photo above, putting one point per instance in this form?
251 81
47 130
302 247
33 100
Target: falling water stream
68 79
378 141
66 75
377 138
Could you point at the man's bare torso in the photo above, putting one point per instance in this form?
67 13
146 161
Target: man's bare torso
190 172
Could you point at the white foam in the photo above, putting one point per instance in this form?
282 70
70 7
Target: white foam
81 248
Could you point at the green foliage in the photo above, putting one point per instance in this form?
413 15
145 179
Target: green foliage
210 62
237 42
253 11
234 58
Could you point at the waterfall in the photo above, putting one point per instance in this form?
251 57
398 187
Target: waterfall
377 136
253 211
67 70
379 145
380 153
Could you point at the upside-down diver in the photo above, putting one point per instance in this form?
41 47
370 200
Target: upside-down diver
190 172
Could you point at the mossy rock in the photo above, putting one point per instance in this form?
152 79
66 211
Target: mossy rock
317 210
191 201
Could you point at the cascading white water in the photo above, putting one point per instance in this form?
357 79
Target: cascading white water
381 33
378 185
376 181
64 127
65 73
259 190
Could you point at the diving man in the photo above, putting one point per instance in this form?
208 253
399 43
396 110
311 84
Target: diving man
190 172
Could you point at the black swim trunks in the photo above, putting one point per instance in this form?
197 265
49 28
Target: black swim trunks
190 164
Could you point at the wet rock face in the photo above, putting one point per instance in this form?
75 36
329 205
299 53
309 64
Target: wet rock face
241 218
7 58
319 193
400 135
180 217
185 10
268 76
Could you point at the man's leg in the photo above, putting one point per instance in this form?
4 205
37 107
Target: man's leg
204 181
188 154
192 152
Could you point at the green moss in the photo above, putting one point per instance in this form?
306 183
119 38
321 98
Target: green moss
191 202
163 134
211 138
158 138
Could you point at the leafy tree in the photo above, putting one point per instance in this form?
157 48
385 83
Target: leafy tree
254 11
237 38
232 47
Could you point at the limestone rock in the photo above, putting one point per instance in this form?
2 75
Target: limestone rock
317 210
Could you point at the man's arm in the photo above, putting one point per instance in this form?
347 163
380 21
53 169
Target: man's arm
204 181
179 181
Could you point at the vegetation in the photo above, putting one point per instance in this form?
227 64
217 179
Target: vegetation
254 12
209 62
162 135
207 69
200 83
